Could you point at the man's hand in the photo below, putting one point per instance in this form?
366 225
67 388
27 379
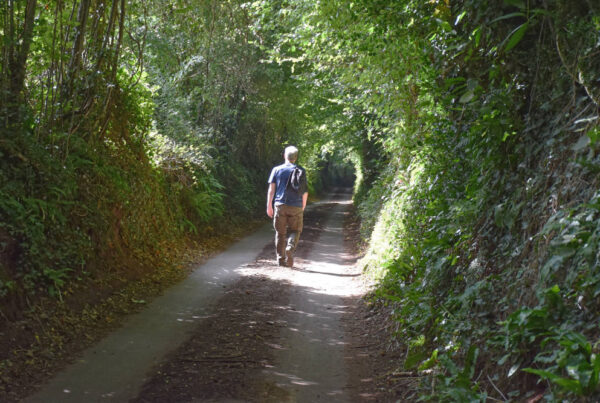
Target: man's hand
270 210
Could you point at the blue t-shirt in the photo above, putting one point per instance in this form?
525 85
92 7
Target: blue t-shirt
279 176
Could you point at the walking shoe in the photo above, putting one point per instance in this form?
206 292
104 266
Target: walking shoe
290 257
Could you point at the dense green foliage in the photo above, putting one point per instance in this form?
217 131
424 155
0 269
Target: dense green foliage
472 127
73 168
126 127
482 217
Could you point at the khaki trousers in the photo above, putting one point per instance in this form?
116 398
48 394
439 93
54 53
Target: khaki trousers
287 222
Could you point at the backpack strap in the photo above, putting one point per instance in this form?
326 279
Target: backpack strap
289 179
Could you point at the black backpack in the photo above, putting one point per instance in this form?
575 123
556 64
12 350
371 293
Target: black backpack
297 181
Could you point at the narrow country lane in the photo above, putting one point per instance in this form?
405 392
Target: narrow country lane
238 329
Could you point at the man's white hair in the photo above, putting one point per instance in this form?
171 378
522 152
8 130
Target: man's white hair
291 153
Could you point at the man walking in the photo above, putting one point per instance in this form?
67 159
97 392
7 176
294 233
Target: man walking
286 201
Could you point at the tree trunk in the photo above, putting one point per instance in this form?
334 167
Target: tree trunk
119 39
82 17
107 34
18 57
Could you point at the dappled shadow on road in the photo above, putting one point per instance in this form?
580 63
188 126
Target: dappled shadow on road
234 351
225 355
277 334
310 366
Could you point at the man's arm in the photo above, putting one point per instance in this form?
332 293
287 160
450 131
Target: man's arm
305 188
270 194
